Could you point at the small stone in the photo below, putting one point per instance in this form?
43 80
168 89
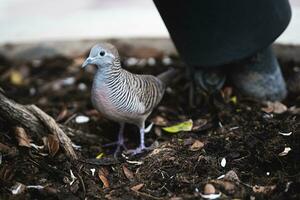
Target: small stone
69 81
167 61
82 86
151 61
81 119
231 176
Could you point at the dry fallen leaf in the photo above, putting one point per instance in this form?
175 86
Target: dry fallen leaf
102 174
263 189
232 176
159 121
22 137
16 78
183 126
137 187
128 173
197 145
274 107
198 124
52 144
6 173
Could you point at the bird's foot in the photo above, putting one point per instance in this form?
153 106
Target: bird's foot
119 144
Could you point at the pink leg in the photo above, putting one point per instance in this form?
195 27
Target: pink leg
142 146
120 142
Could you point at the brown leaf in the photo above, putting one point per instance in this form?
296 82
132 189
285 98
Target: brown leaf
198 124
197 145
4 148
22 137
52 144
102 174
128 173
274 107
137 187
160 121
263 189
229 186
6 173
62 115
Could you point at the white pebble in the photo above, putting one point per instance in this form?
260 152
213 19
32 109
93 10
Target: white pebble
151 61
82 119
131 61
32 91
82 86
167 61
223 162
268 173
69 81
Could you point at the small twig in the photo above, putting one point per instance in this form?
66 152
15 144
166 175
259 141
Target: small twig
52 126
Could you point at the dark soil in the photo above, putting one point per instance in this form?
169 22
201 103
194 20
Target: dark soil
229 125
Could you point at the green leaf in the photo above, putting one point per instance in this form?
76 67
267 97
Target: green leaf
183 126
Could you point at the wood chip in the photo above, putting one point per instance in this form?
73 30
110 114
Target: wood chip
197 145
137 187
22 137
129 175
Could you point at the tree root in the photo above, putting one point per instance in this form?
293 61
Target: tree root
35 121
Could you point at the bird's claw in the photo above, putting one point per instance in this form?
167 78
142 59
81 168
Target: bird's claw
120 144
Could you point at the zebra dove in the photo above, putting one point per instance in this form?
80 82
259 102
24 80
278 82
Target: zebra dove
122 96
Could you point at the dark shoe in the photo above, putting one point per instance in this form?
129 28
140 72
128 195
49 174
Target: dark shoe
260 77
209 80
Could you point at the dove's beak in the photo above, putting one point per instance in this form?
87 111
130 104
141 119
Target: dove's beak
88 61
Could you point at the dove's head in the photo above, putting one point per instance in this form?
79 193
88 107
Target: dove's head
102 55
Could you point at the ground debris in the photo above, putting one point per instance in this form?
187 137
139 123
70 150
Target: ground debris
252 137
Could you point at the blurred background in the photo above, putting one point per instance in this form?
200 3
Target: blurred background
35 20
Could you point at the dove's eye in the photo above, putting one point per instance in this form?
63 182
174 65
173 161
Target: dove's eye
102 53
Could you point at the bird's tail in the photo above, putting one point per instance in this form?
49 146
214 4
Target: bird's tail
167 76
